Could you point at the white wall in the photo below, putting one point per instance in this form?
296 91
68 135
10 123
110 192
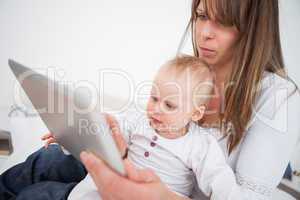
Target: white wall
290 32
81 37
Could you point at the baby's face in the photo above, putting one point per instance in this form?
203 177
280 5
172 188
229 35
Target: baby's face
170 107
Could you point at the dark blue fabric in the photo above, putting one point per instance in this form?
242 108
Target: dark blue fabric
46 174
288 172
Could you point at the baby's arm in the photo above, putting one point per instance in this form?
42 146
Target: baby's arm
214 176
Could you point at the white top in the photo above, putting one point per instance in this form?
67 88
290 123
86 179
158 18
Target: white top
261 158
178 162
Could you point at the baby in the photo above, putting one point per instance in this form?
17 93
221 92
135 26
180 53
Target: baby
168 139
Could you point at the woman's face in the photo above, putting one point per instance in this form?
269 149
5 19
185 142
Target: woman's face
215 42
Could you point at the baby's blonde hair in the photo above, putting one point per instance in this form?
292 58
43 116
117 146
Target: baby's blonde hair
200 72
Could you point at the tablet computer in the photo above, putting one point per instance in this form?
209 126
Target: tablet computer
67 115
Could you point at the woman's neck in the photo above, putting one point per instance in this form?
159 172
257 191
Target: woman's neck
222 74
217 103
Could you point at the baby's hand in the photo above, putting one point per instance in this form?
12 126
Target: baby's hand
117 135
49 139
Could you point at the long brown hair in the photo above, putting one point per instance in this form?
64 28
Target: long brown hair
258 50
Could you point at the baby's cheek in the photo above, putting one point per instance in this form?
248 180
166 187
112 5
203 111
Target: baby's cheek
174 120
149 108
182 120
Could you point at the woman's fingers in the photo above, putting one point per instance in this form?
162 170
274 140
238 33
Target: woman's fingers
116 133
142 176
106 179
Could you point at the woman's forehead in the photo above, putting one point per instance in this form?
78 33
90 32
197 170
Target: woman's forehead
201 6
221 11
208 7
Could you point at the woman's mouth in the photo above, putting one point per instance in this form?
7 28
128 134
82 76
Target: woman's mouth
207 52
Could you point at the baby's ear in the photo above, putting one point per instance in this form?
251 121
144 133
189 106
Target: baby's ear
198 113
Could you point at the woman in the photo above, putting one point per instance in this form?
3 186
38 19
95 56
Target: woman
240 40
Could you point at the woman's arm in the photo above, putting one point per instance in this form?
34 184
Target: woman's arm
264 152
270 141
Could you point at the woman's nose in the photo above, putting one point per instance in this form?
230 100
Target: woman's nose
207 31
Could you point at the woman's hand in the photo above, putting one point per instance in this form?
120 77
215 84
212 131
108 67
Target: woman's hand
139 184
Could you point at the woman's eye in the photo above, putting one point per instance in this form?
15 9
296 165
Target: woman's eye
202 17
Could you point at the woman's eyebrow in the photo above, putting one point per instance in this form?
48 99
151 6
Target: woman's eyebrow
200 10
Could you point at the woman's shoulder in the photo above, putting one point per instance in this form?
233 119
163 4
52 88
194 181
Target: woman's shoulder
278 100
273 81
276 89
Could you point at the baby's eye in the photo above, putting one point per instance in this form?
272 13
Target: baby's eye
170 106
155 99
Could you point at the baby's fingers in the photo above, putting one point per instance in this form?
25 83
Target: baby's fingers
112 123
116 134
47 136
50 141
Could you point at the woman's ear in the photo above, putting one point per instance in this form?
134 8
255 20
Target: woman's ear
198 113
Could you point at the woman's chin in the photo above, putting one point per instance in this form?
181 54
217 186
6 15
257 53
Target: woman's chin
210 60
